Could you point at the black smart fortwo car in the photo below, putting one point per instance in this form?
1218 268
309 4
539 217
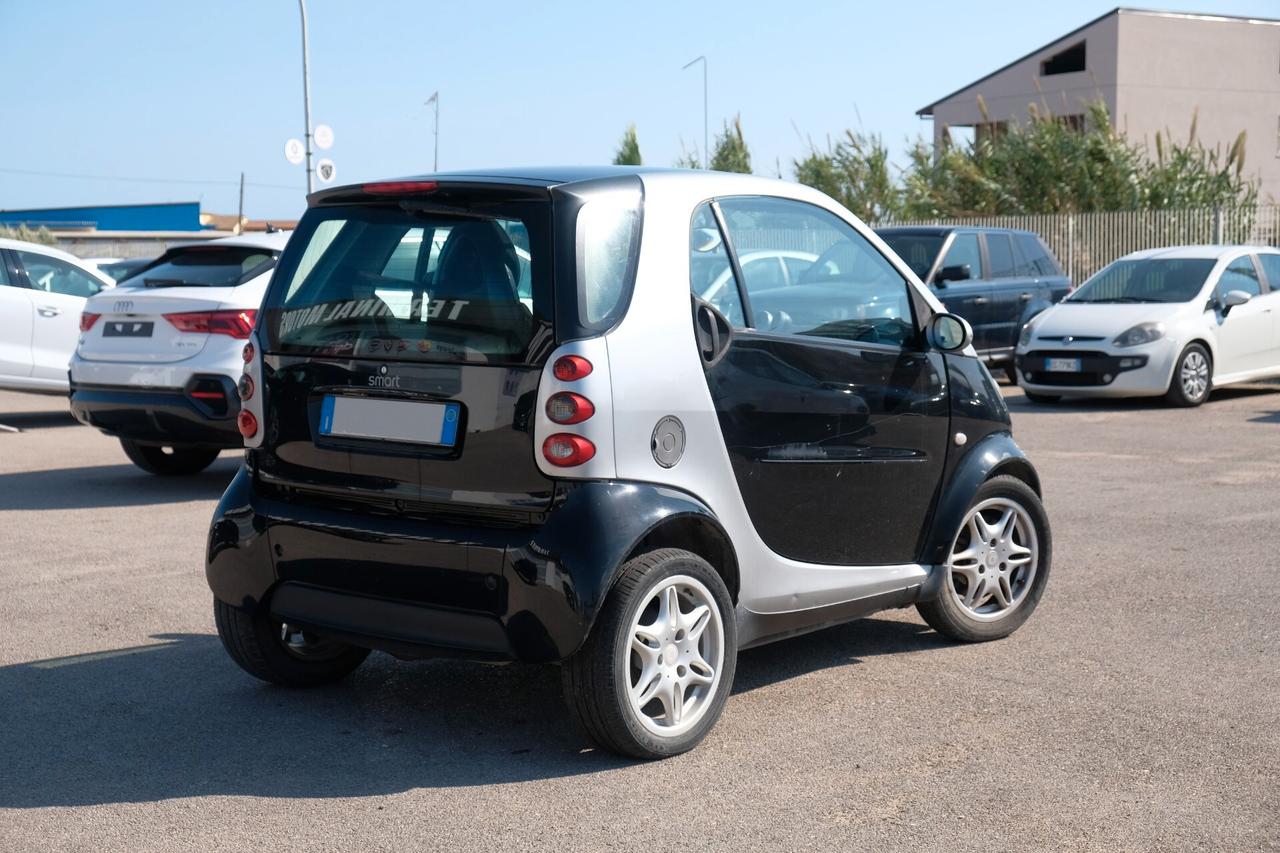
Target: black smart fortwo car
550 416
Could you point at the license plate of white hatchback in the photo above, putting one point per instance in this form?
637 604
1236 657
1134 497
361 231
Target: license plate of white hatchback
1062 365
389 420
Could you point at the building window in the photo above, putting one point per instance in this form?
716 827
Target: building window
1064 62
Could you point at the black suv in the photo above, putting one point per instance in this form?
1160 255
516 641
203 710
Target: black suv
996 278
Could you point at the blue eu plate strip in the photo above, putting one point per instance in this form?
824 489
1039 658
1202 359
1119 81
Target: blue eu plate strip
326 415
449 432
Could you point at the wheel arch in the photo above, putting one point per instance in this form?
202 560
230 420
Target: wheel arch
698 534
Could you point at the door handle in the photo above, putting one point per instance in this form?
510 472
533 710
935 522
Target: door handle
48 311
980 300
1026 297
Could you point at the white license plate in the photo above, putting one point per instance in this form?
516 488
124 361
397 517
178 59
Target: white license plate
390 420
1062 365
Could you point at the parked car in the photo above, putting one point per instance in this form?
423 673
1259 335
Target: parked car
159 355
761 270
42 291
1176 322
996 278
119 268
614 476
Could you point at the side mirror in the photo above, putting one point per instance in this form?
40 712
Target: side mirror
1232 298
949 333
957 272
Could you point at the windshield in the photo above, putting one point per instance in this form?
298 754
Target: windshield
1146 280
416 285
918 250
206 266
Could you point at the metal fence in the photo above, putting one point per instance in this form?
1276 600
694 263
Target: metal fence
1086 242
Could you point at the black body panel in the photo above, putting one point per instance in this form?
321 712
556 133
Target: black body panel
162 416
838 448
490 469
429 583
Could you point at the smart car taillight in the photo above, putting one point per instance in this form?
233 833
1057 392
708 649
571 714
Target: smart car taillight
570 367
87 320
400 187
247 353
569 408
248 423
245 387
564 450
237 324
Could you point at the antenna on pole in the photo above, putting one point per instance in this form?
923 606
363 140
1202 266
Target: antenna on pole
435 157
706 146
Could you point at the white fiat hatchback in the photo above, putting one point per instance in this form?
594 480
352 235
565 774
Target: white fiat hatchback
159 354
1175 322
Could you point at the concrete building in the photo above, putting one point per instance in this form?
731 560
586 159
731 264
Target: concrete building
1153 70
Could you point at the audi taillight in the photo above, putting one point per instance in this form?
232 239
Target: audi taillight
564 449
569 408
87 320
570 367
248 423
237 324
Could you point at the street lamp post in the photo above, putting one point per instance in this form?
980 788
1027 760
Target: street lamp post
306 91
435 156
707 154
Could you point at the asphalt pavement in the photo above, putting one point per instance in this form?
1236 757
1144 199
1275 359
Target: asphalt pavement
1139 709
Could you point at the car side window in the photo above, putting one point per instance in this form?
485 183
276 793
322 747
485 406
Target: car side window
762 273
711 275
1271 269
54 275
851 292
4 272
1240 274
1000 254
964 252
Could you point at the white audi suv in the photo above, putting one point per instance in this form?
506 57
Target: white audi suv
160 353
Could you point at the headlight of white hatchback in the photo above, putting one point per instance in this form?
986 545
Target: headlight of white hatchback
1143 333
1024 339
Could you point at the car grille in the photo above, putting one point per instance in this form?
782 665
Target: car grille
1096 368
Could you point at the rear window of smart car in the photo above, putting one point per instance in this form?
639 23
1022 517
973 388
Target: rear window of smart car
422 282
206 266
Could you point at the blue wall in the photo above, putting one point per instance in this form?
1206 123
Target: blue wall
177 216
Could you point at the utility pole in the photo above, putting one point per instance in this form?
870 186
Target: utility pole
435 157
706 147
306 90
240 215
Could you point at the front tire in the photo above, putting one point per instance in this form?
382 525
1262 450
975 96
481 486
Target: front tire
267 648
655 672
1192 377
997 567
169 462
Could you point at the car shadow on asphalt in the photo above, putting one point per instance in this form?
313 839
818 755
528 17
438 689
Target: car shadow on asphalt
102 486
1019 404
25 421
175 718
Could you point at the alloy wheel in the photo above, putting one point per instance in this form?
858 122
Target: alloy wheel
1194 375
993 560
675 655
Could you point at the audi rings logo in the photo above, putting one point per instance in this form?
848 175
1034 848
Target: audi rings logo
123 306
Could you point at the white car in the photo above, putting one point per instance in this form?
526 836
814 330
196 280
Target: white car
160 354
42 291
1174 322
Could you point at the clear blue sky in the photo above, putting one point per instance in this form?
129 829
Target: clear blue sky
200 91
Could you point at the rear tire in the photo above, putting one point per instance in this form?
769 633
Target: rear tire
1192 379
254 640
997 567
1011 373
169 462
666 632
1042 399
